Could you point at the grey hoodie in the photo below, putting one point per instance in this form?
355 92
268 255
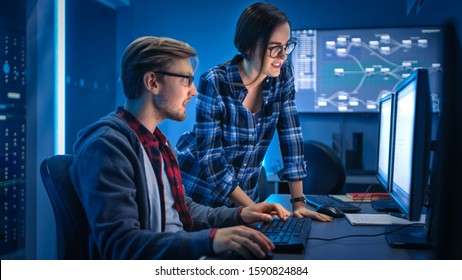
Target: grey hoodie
110 174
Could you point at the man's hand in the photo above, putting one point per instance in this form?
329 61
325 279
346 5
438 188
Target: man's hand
263 212
247 242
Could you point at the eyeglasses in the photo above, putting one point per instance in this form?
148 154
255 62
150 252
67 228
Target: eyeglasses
190 79
276 51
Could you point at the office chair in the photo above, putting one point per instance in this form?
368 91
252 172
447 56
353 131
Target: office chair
326 173
71 223
262 189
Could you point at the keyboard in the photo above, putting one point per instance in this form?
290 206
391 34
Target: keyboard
317 200
289 236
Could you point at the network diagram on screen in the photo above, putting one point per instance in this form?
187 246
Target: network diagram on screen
349 70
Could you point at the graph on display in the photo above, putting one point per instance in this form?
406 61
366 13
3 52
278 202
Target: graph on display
349 70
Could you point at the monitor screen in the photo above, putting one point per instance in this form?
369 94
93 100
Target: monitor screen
412 140
386 112
349 70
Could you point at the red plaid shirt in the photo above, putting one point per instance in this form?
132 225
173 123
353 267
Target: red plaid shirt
158 150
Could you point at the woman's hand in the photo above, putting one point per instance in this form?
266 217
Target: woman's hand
263 212
301 211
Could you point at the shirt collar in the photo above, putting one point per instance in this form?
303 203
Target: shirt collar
145 136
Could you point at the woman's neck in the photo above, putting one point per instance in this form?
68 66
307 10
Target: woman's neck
249 71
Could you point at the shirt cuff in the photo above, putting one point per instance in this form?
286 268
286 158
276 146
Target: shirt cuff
239 218
212 234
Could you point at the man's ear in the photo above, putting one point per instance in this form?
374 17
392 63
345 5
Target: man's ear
150 82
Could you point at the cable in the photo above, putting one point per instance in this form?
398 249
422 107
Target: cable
364 196
365 235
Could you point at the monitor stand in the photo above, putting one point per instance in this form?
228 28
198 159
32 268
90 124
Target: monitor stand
386 205
411 237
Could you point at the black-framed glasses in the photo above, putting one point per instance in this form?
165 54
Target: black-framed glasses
190 79
276 51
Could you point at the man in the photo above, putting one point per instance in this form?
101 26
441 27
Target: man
127 177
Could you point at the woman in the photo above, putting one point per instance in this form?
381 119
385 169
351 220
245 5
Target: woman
240 106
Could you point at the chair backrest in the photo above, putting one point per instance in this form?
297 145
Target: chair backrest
71 222
326 173
263 192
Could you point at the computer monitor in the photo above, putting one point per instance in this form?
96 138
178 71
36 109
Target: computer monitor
446 191
410 159
385 151
386 116
349 70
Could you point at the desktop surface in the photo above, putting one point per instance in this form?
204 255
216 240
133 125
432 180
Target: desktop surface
350 248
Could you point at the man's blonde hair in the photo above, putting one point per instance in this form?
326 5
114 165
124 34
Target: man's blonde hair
146 54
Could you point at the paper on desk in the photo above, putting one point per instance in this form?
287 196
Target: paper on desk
379 219
346 198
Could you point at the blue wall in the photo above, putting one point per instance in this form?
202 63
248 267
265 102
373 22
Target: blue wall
90 64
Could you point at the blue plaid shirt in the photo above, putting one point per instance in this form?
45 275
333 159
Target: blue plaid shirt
228 143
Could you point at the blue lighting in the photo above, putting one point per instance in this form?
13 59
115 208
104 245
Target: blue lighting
60 89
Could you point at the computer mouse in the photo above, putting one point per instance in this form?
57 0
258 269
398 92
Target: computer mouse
231 255
330 211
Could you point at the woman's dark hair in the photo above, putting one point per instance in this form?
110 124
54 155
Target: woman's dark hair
149 54
255 26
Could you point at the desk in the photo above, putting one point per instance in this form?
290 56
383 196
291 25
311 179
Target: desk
351 248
